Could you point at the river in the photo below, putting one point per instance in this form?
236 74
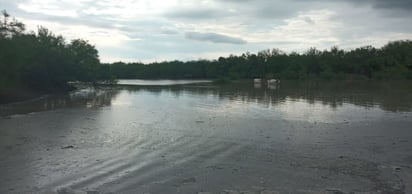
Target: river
185 136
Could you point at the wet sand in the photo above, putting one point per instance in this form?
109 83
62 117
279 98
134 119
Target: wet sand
185 141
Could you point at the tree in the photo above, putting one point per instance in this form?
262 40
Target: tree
43 60
85 59
9 28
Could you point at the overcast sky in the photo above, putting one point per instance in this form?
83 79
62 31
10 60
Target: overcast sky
157 30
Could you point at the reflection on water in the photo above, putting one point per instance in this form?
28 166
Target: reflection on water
141 82
88 97
138 139
389 96
395 96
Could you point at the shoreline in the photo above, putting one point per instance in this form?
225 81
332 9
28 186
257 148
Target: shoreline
24 94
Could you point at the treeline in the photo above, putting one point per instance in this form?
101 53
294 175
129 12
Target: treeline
42 61
392 61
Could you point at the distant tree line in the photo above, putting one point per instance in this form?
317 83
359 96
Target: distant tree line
392 61
41 60
44 61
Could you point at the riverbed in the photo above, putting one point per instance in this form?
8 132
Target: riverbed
184 137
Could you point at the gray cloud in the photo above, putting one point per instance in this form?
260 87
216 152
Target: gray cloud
394 4
308 20
266 9
159 32
196 13
384 4
214 37
10 6
169 31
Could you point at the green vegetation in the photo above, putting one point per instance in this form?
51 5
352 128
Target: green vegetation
42 61
392 61
222 80
39 62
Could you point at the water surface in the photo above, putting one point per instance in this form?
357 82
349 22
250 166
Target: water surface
166 138
162 82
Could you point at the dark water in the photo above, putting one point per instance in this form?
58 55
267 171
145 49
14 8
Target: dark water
168 138
294 98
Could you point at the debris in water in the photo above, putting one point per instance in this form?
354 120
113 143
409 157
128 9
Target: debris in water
189 180
335 191
215 167
68 147
92 192
227 191
65 191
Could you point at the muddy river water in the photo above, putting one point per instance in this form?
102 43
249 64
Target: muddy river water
175 137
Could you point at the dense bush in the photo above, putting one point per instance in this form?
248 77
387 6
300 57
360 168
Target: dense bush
42 60
392 61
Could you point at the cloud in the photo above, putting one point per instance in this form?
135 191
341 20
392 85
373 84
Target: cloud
52 11
381 5
398 4
168 31
152 30
214 37
195 13
385 4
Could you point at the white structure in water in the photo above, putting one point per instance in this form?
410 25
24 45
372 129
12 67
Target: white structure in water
273 82
257 81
